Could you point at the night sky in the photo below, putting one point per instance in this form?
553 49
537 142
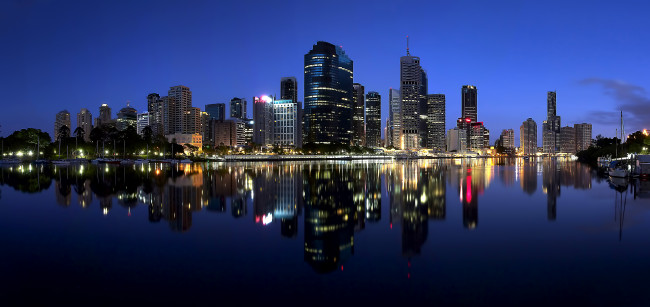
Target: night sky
79 54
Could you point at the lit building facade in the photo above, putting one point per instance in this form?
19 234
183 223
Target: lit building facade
358 117
436 122
216 110
62 119
104 117
127 117
413 91
507 138
373 119
143 121
456 140
528 137
551 126
85 122
394 118
238 108
568 140
286 123
328 95
469 102
583 136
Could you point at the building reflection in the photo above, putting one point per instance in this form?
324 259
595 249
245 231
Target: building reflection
329 216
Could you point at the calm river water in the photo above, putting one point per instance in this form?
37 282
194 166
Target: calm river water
473 231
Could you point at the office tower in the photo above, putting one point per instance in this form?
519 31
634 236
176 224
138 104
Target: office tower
568 140
263 120
469 103
456 140
168 115
507 139
143 121
286 123
85 122
206 131
62 119
193 121
104 117
328 95
373 119
479 137
358 119
395 118
436 122
289 89
583 136
413 91
238 108
152 99
127 117
155 109
388 139
216 110
551 126
528 137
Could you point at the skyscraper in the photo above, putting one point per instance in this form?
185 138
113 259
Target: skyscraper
62 119
216 111
152 99
583 136
328 95
528 137
469 103
436 122
358 119
373 119
413 89
143 121
183 119
104 117
508 138
85 122
155 110
263 120
568 140
289 89
551 126
395 118
286 123
238 108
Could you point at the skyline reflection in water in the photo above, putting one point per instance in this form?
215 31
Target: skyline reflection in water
337 212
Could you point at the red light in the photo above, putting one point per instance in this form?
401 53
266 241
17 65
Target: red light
468 192
468 120
408 275
341 268
258 219
391 225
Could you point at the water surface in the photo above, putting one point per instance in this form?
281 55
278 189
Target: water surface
473 231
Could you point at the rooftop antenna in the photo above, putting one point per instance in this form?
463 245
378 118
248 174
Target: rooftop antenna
407 46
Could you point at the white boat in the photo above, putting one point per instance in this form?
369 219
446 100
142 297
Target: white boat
618 169
9 161
60 162
141 161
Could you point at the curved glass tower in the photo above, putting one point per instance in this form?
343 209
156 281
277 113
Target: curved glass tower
328 95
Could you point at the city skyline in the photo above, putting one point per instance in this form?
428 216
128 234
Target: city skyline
584 92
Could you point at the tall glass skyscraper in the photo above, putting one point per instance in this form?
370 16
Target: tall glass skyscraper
328 95
238 108
436 122
289 89
216 111
413 91
469 104
373 119
395 118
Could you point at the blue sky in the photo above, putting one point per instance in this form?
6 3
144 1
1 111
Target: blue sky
73 54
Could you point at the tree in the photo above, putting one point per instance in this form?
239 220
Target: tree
147 134
79 133
63 133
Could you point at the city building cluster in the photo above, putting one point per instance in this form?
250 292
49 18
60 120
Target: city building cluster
337 110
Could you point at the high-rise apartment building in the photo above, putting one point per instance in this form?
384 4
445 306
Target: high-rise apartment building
289 89
583 136
568 140
152 99
528 137
127 117
413 91
469 103
373 119
395 118
238 108
62 119
216 110
358 117
507 138
85 122
183 118
328 95
551 126
155 110
104 117
436 122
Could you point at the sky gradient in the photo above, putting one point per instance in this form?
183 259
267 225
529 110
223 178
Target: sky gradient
79 54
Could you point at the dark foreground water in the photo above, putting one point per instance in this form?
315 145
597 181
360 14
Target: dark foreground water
474 232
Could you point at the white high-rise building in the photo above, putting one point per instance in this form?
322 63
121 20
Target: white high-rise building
143 121
85 122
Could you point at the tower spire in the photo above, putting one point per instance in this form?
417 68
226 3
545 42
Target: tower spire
407 46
